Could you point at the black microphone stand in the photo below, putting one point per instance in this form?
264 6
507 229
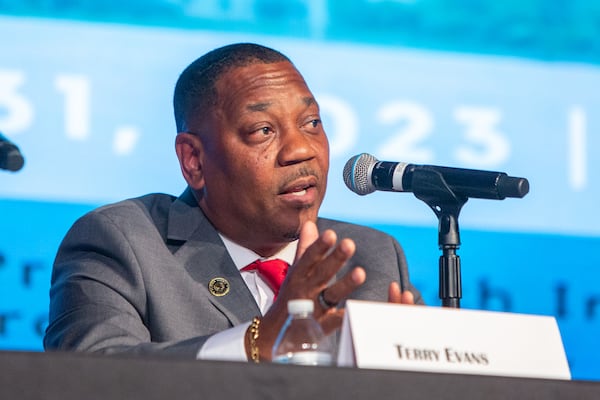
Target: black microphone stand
430 187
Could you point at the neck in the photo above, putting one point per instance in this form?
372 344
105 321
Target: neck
262 249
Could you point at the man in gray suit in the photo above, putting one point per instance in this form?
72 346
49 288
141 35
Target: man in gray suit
160 274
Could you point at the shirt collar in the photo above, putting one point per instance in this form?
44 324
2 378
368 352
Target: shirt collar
242 256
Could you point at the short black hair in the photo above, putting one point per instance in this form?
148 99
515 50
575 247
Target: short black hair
195 89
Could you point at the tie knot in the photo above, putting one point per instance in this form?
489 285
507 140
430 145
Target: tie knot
271 271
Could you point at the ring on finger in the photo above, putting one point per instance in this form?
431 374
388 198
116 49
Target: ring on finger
326 305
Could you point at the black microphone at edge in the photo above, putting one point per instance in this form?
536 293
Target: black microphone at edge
11 158
364 174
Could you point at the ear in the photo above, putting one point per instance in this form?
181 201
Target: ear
190 153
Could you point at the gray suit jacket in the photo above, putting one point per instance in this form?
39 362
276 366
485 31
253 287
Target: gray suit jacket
133 277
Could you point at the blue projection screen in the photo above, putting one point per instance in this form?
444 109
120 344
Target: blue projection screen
90 107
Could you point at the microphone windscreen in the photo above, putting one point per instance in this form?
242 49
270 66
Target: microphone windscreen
357 173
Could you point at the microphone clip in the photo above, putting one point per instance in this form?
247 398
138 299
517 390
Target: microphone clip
430 186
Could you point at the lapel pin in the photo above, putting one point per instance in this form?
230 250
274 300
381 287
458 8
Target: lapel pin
218 286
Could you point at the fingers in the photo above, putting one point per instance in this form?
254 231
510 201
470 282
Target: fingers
408 297
312 247
396 295
318 258
332 320
341 289
333 260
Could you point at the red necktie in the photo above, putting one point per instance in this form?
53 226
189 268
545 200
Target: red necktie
271 271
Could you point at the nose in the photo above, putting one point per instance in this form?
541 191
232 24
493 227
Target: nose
297 146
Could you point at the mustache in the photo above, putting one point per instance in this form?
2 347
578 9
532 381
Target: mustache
302 172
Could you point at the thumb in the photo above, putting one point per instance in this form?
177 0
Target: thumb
308 234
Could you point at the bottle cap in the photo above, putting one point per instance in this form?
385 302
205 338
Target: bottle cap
300 306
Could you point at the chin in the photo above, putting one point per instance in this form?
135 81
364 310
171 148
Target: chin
291 232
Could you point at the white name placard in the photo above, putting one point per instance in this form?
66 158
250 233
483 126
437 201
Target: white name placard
435 339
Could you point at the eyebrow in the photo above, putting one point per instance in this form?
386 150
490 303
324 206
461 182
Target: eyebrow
258 106
308 101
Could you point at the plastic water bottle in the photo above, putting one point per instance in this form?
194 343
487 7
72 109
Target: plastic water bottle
301 340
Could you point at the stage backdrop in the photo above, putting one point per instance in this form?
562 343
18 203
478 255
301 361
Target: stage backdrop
89 104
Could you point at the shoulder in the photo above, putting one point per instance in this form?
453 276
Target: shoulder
135 214
149 204
368 240
347 229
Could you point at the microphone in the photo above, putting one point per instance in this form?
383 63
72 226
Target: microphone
364 174
11 158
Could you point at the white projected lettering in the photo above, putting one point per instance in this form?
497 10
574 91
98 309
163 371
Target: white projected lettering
489 147
106 115
577 156
77 93
484 145
16 112
409 129
406 143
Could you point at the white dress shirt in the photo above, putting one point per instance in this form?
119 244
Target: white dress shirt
229 344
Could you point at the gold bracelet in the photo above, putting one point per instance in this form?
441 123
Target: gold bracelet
253 332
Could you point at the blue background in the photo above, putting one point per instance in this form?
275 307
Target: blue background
85 91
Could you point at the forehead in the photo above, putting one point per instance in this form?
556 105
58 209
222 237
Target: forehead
261 82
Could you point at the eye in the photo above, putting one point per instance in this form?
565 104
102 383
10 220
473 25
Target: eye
313 123
260 134
265 130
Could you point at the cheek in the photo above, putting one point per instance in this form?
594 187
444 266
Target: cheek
251 173
322 145
323 150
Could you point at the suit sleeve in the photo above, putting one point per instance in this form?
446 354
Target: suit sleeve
405 282
97 297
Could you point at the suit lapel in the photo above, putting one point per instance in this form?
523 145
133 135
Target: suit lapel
205 258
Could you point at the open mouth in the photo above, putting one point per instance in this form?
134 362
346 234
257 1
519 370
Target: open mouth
300 187
298 191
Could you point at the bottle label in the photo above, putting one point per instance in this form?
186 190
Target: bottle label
305 358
